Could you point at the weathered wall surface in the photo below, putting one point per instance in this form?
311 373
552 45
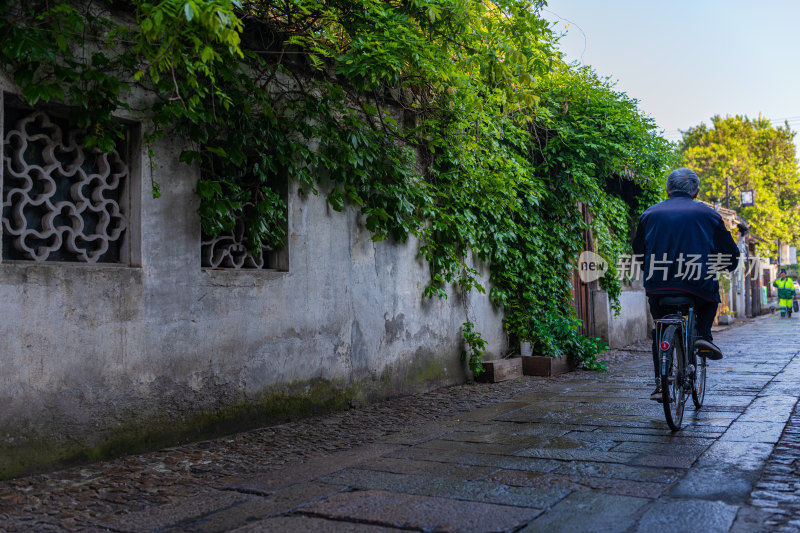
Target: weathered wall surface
104 359
631 325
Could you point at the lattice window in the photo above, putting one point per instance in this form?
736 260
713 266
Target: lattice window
229 250
61 201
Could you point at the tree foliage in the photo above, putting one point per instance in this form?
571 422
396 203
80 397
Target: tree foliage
751 154
453 121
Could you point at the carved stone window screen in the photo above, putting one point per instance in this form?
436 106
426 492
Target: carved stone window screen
61 201
229 250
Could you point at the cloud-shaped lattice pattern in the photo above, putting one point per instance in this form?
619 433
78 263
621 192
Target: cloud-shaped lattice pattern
229 250
60 196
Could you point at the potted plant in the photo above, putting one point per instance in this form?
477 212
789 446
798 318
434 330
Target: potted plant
525 347
517 326
724 319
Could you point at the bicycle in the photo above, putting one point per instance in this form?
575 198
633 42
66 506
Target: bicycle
683 369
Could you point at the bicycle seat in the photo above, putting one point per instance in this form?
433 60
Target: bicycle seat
676 302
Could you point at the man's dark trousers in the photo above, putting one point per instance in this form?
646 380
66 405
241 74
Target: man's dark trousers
704 313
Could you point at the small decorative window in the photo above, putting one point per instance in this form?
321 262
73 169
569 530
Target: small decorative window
61 201
230 249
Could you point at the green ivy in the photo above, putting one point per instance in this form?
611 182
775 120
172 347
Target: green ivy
453 121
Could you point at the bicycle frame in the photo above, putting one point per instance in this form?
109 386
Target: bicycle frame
685 325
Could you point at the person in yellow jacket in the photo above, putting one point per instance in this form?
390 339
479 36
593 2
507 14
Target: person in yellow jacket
785 293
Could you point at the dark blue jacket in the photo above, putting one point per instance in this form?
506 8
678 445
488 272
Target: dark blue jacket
683 245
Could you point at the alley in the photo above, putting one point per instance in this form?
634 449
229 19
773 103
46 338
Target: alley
584 451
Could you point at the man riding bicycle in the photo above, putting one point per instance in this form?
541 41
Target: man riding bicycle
684 245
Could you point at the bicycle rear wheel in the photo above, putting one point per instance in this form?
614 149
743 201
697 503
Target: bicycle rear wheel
673 392
699 382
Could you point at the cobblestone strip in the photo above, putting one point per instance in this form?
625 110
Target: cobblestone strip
778 490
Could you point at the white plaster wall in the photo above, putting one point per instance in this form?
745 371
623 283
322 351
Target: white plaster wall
631 325
86 348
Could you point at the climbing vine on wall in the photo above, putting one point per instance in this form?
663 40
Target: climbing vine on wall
453 121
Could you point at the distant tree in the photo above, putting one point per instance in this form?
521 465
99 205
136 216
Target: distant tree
751 154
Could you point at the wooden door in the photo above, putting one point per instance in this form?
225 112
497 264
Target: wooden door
581 293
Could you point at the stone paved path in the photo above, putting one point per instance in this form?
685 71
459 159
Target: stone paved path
580 452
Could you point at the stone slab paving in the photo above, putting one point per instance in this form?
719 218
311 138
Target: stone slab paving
584 451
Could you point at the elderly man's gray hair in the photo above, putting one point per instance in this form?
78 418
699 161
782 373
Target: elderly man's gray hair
683 180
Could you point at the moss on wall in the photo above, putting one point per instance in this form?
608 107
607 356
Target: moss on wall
34 453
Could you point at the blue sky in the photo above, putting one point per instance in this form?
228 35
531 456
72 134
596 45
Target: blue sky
686 61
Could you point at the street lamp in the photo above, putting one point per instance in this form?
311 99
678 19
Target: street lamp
746 196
